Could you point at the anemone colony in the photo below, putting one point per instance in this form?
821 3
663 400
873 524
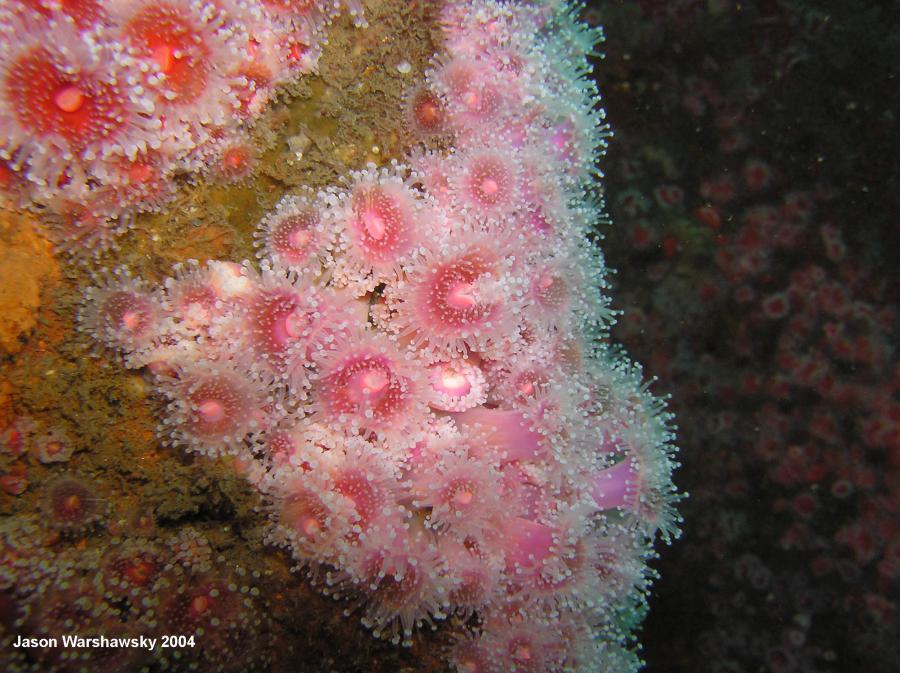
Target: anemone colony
416 375
106 103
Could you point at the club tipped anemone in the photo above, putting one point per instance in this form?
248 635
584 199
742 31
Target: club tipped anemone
460 491
223 613
640 483
474 95
311 518
189 52
235 158
286 321
379 221
425 112
575 136
553 561
53 446
469 654
67 103
365 490
214 407
133 570
121 313
192 299
83 13
369 384
475 575
84 228
460 298
403 584
485 183
72 506
231 281
293 236
516 381
141 183
548 211
119 100
523 644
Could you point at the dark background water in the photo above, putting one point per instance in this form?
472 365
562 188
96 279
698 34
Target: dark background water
753 183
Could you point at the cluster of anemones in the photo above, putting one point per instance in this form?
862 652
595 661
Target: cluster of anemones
412 375
102 104
129 588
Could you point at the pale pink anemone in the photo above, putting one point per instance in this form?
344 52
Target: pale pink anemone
469 654
367 383
636 484
475 96
380 222
214 408
283 322
460 490
475 573
193 299
311 518
294 237
462 297
122 313
401 582
485 183
524 644
554 558
563 295
432 175
518 378
368 490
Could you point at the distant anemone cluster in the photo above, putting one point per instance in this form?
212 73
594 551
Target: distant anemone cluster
103 104
416 375
131 588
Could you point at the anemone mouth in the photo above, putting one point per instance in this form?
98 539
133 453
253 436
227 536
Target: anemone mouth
364 385
293 236
305 514
454 300
281 320
489 182
128 313
217 405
